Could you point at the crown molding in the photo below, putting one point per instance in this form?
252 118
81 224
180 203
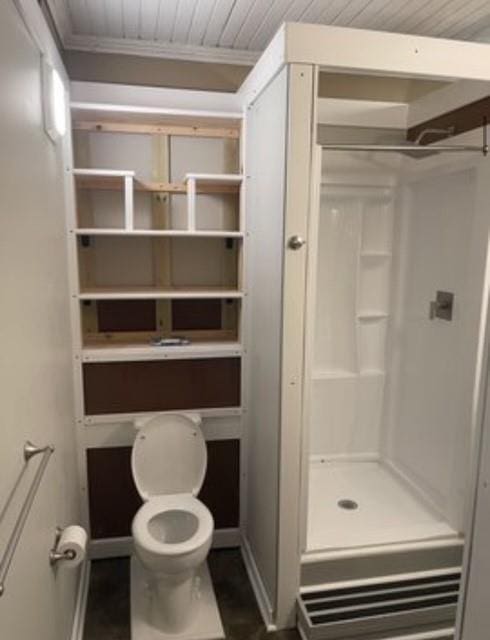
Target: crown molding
153 49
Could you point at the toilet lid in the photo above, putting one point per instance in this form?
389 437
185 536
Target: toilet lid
169 456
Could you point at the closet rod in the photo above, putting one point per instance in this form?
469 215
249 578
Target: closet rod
405 148
30 451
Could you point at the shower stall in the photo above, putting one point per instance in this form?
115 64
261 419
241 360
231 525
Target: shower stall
396 304
367 189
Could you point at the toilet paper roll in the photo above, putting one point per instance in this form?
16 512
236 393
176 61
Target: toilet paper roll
73 538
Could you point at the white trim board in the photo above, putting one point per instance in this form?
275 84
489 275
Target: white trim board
363 50
258 587
344 50
154 49
81 602
121 433
123 546
154 97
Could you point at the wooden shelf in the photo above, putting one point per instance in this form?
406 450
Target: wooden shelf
152 293
99 180
166 233
139 352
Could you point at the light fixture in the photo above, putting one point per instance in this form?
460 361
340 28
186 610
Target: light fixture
54 102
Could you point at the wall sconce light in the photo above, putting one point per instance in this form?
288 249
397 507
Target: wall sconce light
54 101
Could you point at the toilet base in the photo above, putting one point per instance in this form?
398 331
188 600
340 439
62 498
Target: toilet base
207 621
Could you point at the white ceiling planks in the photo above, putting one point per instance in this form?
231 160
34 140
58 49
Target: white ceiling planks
237 30
199 22
467 25
280 10
131 16
114 17
217 21
98 19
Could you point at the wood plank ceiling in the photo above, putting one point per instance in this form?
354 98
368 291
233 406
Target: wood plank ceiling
235 30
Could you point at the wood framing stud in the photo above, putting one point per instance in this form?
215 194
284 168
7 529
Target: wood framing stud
168 130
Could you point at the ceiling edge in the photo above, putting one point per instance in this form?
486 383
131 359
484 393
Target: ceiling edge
173 51
61 18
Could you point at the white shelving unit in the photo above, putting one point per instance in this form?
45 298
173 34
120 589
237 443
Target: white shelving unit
92 121
194 183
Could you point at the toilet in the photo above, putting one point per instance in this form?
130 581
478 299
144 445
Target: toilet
171 591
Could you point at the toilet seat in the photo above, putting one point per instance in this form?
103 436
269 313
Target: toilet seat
160 505
169 456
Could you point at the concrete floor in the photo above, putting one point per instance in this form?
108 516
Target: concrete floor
108 600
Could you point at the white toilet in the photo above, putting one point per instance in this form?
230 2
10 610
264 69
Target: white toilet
172 531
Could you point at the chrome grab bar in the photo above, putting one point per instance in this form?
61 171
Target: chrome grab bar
30 450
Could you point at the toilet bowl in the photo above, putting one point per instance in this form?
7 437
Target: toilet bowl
172 530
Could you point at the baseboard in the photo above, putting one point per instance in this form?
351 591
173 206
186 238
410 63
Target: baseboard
123 546
258 587
81 602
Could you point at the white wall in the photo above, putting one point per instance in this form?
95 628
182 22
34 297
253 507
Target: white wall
432 376
35 370
266 148
475 614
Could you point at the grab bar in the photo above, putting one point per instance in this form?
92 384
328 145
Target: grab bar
30 450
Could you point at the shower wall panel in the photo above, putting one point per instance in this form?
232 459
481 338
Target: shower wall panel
352 305
442 243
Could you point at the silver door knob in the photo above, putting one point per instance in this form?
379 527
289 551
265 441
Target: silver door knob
296 242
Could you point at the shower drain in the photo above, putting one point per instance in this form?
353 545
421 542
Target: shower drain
347 504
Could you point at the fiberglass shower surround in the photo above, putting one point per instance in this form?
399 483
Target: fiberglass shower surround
386 463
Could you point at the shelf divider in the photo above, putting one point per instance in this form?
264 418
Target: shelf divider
128 203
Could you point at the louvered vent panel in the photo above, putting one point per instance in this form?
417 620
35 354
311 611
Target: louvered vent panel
392 608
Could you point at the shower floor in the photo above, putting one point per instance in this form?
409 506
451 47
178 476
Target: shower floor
380 509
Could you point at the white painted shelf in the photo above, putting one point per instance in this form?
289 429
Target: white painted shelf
214 178
108 418
104 173
138 352
166 233
151 293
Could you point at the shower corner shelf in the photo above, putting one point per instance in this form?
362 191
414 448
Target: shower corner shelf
332 374
376 254
372 315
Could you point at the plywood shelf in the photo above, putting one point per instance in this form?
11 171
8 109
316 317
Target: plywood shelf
139 352
99 180
165 233
153 293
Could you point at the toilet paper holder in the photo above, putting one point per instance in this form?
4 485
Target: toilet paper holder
54 555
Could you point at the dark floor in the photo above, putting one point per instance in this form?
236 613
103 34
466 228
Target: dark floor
108 600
